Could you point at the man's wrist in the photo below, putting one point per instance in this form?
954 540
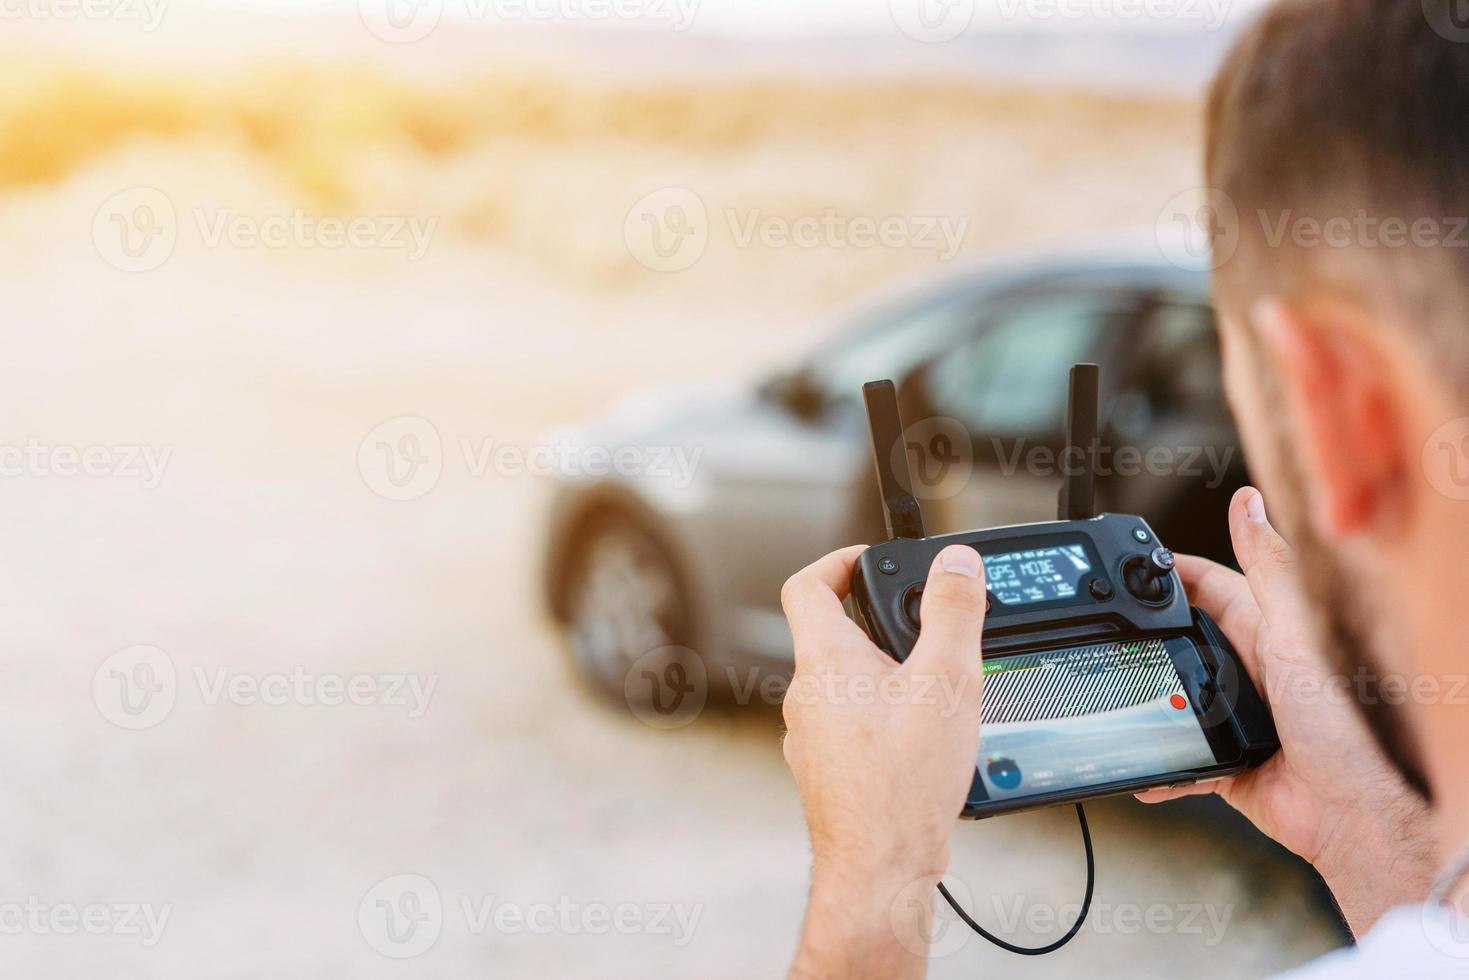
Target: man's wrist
865 921
1378 857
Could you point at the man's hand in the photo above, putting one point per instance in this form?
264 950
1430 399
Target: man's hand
883 755
1329 794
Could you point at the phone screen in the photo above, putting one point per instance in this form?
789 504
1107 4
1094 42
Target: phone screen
1067 719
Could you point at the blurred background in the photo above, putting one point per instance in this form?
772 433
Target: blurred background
414 406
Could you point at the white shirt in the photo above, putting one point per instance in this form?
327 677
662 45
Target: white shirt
1420 942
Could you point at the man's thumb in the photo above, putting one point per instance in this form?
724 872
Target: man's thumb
952 614
1267 559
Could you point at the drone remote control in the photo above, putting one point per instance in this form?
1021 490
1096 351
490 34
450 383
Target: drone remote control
1099 677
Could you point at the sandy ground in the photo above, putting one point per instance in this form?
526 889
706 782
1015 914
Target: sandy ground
271 831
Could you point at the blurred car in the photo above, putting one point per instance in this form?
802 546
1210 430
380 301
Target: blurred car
783 473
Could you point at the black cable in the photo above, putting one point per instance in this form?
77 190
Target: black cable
1086 903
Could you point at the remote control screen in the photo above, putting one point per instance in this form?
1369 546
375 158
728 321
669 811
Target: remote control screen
1037 574
1068 719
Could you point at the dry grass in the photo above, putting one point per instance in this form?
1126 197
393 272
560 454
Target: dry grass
314 124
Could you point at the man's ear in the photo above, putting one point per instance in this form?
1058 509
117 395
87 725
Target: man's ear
1340 411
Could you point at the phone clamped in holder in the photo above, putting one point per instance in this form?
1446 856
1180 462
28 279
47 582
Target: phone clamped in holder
1100 679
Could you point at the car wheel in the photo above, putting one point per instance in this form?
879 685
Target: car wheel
625 601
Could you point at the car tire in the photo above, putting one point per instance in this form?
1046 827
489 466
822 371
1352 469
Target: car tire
626 605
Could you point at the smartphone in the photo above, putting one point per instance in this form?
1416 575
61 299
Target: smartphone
1079 722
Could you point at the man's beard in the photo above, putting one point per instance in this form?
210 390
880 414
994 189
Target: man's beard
1344 621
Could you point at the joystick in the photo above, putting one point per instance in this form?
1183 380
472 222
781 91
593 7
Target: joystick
1148 576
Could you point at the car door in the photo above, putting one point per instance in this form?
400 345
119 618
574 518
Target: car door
1006 385
1169 410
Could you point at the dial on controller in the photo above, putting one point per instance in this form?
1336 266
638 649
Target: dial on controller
1148 576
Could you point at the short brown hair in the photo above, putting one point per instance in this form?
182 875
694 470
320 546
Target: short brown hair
1359 110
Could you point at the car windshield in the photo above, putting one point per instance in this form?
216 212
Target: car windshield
887 345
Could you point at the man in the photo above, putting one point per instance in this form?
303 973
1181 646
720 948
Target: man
1339 132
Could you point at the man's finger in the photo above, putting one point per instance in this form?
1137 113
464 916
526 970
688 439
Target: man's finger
1269 563
952 615
1211 586
1224 594
1166 793
812 598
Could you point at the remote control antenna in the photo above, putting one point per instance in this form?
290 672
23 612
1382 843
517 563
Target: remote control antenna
1078 460
899 507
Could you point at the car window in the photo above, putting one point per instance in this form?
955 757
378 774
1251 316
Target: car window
1178 360
1011 378
892 349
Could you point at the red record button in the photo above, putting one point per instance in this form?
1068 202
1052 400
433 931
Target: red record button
1178 701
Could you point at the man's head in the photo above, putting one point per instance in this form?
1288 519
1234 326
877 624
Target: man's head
1338 133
